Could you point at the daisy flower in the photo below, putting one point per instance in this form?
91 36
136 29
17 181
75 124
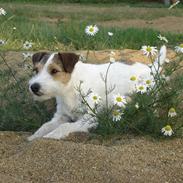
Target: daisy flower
149 82
2 42
116 115
149 50
142 88
27 45
172 112
14 28
95 98
112 56
167 60
119 100
137 105
2 11
162 38
167 130
110 34
179 49
26 55
133 78
91 30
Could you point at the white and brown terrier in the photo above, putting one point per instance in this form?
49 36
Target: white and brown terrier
59 74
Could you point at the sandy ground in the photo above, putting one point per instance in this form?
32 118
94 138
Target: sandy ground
164 24
126 159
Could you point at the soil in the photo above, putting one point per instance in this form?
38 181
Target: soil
164 24
126 159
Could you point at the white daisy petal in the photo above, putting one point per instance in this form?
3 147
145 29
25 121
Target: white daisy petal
137 106
2 42
119 100
26 55
116 115
2 12
141 88
95 98
172 112
167 130
110 33
91 30
27 45
179 49
149 50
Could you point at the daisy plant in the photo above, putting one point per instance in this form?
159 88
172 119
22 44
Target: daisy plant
162 38
167 130
116 115
149 50
2 12
91 31
179 49
110 34
172 112
119 100
27 45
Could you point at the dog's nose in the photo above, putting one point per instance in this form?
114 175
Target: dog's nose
35 87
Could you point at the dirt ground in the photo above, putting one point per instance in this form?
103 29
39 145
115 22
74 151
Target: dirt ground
164 24
126 159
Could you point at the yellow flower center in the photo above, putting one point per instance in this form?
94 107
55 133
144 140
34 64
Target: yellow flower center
141 87
115 113
148 82
91 29
119 99
95 98
168 128
133 78
181 45
172 110
149 49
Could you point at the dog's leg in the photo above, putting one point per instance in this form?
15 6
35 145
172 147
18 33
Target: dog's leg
82 125
48 127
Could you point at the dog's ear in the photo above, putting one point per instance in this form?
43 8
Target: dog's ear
38 56
68 61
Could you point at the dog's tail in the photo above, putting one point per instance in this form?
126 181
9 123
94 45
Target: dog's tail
159 61
161 56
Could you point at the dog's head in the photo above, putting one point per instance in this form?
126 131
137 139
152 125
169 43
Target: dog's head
52 73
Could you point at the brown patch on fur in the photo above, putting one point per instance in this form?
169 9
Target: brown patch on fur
68 61
38 57
61 75
38 67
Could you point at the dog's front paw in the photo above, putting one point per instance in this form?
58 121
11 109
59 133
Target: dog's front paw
56 135
32 137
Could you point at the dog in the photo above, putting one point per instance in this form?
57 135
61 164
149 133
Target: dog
57 75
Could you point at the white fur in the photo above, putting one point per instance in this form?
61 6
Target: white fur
67 96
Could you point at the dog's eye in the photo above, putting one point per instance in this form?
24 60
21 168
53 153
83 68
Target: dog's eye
35 71
54 71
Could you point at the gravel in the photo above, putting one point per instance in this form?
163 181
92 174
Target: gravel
83 159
